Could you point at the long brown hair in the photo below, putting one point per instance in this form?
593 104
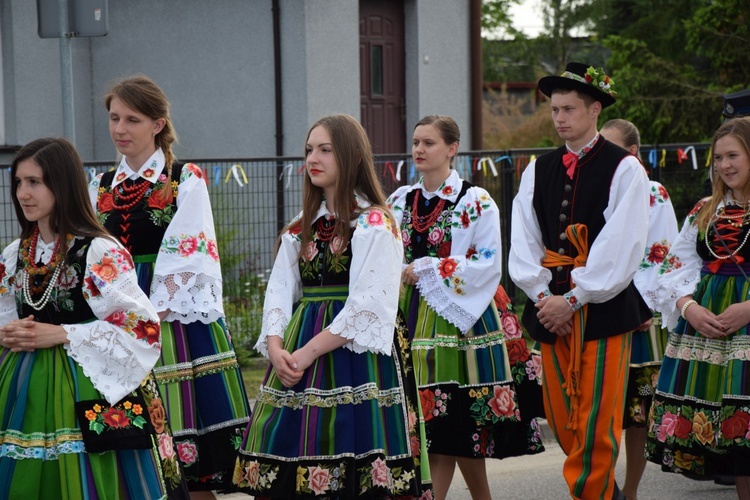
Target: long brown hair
739 128
141 94
62 173
356 173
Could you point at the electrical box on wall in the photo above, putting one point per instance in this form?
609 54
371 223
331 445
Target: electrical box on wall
85 18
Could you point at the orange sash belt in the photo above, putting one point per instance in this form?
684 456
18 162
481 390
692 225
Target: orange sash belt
578 235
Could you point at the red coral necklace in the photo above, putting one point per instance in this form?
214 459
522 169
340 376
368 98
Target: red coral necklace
325 232
51 271
421 223
125 197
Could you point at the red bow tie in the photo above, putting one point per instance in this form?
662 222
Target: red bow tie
570 160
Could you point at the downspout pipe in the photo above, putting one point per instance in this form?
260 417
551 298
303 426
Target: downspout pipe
475 45
280 216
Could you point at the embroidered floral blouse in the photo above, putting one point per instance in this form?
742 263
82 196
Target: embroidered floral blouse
662 231
368 317
121 346
460 286
613 257
680 272
187 273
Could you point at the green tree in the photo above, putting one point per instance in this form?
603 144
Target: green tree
719 32
665 99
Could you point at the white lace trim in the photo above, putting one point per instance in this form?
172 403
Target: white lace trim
113 367
433 292
706 350
367 330
275 322
189 296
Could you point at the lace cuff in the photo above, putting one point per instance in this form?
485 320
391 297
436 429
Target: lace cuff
434 293
115 369
275 322
365 330
190 297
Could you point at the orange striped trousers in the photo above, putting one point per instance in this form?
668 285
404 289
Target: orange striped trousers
592 449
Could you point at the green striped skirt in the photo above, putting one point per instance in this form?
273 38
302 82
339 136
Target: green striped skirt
345 430
468 395
699 423
200 380
42 454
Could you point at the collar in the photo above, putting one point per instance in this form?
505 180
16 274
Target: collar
362 203
44 250
149 170
586 148
448 190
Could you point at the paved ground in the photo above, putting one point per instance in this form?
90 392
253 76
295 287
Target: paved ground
539 477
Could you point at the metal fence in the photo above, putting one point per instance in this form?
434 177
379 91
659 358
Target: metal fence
253 198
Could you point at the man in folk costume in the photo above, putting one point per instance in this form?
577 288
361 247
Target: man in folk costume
579 227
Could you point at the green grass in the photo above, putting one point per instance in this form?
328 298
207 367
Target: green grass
252 376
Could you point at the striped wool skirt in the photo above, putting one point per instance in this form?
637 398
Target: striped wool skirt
345 430
646 356
42 453
200 380
469 398
699 423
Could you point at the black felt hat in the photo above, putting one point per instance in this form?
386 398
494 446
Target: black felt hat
737 104
583 78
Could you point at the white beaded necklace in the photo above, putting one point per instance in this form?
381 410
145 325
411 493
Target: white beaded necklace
722 257
44 299
39 305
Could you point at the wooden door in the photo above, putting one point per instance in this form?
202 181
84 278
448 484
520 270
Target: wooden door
381 49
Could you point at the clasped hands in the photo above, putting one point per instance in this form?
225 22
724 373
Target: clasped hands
714 326
289 366
27 335
555 314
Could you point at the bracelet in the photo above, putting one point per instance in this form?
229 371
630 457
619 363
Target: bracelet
685 306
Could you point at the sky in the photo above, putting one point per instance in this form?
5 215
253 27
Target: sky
527 17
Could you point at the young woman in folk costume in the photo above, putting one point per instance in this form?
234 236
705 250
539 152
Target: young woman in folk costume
451 235
160 210
649 341
699 423
80 415
335 416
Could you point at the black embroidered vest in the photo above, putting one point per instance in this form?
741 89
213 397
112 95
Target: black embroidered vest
560 201
140 229
66 304
421 244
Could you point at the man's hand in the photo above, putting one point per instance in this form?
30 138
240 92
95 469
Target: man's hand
555 315
646 325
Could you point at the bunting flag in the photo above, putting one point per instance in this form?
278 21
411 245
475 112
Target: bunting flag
235 171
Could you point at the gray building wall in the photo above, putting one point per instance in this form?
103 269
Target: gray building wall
438 63
214 61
